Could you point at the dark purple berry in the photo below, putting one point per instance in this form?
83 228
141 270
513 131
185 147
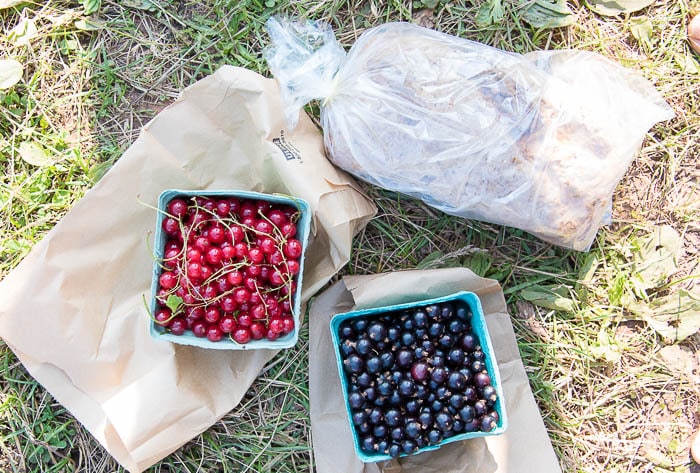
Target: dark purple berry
487 423
353 363
419 371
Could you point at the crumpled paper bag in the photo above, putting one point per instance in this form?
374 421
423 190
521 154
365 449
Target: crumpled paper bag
524 447
73 310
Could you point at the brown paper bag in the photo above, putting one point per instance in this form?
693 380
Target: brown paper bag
73 310
524 447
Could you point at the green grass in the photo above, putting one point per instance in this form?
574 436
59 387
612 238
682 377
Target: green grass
610 398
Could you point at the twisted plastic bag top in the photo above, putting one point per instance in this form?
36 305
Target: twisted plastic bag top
536 141
304 57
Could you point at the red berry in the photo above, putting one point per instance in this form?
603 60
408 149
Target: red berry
223 208
206 272
293 266
256 255
277 217
251 283
214 333
248 222
244 320
199 329
227 324
178 326
171 226
241 335
194 271
248 210
194 255
267 245
276 325
235 277
257 330
202 244
228 304
222 285
173 245
241 295
275 258
216 234
272 336
241 250
292 249
196 312
258 312
209 292
277 278
288 229
263 226
163 316
212 315
287 324
208 204
177 208
253 271
236 234
235 205
214 255
167 280
228 252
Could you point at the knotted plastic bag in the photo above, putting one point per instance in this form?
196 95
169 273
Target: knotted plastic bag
536 141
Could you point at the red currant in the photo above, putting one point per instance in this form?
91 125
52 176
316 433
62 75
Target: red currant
214 333
178 326
227 324
199 329
235 277
257 330
167 280
212 315
171 226
292 248
223 207
241 335
277 217
177 208
163 316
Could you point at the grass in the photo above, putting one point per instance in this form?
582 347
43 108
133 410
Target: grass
612 393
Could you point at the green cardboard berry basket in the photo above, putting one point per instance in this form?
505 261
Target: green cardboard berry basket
479 328
226 343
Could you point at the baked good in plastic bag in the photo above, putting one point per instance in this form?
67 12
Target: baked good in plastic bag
536 141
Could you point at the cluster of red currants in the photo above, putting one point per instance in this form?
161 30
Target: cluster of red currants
229 268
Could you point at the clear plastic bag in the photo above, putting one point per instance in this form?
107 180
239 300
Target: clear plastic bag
536 141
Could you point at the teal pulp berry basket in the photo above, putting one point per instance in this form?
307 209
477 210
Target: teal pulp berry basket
479 328
226 343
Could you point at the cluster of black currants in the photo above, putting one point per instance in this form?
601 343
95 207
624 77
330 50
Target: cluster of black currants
416 377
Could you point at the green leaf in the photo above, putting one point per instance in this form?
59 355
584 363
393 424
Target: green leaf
642 28
91 6
10 73
550 297
270 3
432 4
547 13
173 302
89 25
33 154
431 260
145 5
656 259
23 32
675 316
479 262
617 7
490 13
